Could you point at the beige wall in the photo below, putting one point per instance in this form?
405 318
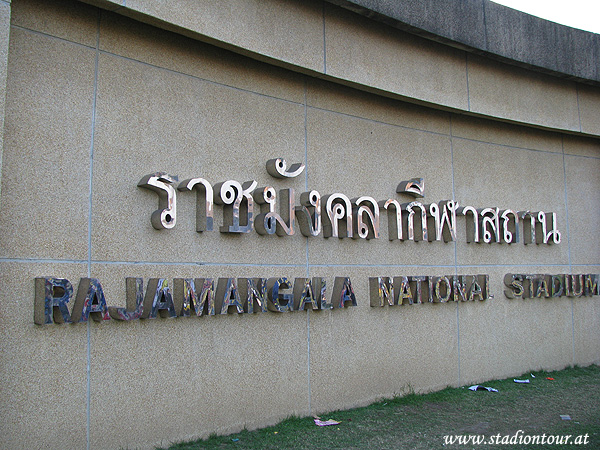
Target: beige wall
96 100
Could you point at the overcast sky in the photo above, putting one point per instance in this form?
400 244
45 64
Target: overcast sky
583 14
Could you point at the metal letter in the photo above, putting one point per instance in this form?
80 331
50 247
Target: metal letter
366 229
342 293
528 232
270 222
574 280
166 216
460 288
542 287
338 209
305 294
233 193
490 218
473 226
414 187
410 220
158 300
591 285
277 301
548 237
510 232
309 225
475 290
394 221
134 301
90 300
254 291
206 297
227 296
381 291
204 202
556 285
515 284
554 233
444 215
51 298
185 297
402 287
278 168
418 282
438 289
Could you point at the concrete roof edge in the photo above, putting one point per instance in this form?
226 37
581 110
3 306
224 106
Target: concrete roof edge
493 30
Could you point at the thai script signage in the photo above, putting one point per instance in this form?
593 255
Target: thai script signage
336 215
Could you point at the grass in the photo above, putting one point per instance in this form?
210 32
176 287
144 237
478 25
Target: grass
421 421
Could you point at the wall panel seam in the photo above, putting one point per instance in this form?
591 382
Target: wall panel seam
309 389
195 77
381 122
41 33
467 78
89 237
569 240
455 249
284 265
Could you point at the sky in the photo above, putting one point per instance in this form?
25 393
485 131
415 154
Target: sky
583 14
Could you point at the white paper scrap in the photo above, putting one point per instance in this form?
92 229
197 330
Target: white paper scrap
324 423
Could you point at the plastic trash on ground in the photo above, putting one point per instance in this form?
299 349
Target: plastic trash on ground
478 387
565 417
520 381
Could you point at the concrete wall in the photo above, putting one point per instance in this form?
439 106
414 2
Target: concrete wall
97 99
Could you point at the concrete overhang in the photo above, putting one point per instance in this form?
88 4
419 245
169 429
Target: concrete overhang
493 30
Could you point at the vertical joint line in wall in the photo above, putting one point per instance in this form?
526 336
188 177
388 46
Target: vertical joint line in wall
453 187
568 233
306 159
89 261
308 361
307 259
562 140
467 75
324 43
455 251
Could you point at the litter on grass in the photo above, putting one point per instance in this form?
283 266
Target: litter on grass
478 387
550 378
324 423
520 381
565 417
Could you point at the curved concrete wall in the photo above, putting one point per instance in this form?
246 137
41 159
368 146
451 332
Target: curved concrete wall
96 98
322 40
493 30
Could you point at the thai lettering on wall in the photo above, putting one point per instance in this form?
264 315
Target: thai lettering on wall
247 207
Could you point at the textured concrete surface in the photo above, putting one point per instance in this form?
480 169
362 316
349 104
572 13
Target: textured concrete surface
47 135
